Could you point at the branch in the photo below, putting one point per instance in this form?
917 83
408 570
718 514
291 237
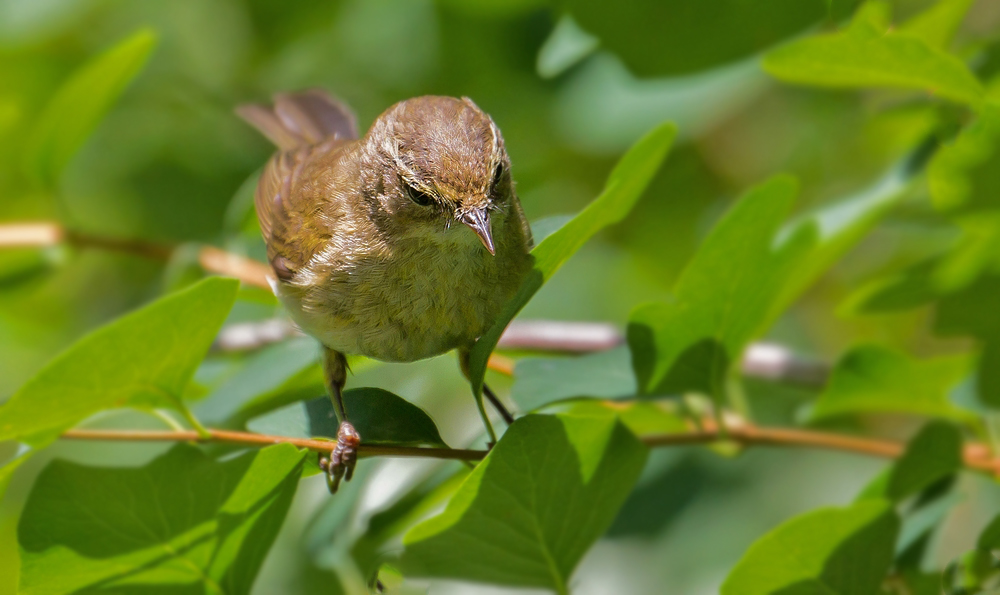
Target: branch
45 234
976 456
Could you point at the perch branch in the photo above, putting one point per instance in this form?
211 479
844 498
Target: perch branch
976 456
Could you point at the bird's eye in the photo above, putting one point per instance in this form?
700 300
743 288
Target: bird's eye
418 196
497 175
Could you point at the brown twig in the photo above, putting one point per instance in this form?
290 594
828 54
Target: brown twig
251 439
976 456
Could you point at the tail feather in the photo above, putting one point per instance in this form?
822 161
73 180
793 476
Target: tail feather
305 118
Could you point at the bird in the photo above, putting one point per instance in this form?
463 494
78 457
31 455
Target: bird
399 245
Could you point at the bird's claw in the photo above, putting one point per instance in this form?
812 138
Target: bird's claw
343 457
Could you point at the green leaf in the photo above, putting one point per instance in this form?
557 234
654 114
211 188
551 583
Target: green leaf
566 46
526 515
937 25
875 379
625 185
265 373
182 523
542 380
380 416
80 104
932 455
963 173
656 38
642 417
10 467
143 359
721 299
831 551
862 56
989 539
745 274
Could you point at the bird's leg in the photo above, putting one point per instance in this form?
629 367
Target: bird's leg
344 456
463 360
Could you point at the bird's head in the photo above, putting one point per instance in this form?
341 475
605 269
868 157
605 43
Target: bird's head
437 161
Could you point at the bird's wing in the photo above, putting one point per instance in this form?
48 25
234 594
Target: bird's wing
305 126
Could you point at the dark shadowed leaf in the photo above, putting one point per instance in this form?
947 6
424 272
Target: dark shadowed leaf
876 379
625 185
831 551
380 416
526 515
143 359
80 104
182 523
657 38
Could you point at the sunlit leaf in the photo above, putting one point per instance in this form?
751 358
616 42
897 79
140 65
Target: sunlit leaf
623 189
143 359
875 379
82 101
380 416
721 300
182 523
748 270
861 56
937 25
833 551
527 514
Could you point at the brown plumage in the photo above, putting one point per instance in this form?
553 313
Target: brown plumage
400 245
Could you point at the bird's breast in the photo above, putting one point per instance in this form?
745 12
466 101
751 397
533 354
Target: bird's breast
409 300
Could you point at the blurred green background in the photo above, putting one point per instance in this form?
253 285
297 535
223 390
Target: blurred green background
171 163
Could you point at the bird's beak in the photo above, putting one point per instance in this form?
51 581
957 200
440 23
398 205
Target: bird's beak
478 221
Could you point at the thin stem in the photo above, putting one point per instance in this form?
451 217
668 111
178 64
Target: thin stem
495 401
976 456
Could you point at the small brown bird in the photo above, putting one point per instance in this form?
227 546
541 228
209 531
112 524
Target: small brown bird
362 238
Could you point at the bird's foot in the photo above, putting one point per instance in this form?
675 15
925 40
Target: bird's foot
343 457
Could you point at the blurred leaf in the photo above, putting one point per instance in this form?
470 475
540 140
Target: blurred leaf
264 373
876 379
566 46
937 25
8 469
685 36
378 415
932 455
862 56
552 483
642 417
80 104
920 524
541 380
623 189
143 359
833 551
964 173
989 539
720 301
182 523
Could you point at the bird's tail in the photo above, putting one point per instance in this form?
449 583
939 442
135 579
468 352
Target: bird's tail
304 118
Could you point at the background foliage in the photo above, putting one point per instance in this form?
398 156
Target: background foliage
830 183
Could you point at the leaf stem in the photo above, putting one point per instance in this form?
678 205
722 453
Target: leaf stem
977 456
